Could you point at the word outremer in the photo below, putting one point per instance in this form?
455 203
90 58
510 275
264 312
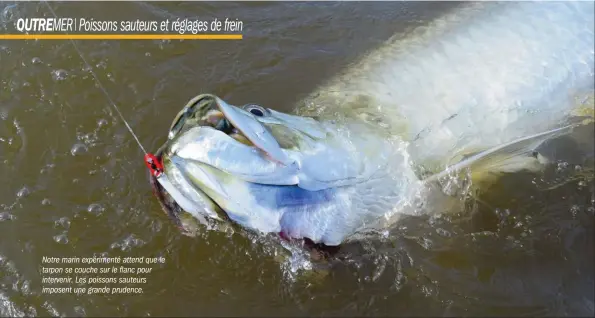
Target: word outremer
180 26
45 25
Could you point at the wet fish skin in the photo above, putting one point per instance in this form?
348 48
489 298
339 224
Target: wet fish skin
480 76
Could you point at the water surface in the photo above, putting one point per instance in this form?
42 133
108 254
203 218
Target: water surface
74 184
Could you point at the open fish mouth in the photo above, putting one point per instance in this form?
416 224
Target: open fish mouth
245 124
207 110
204 110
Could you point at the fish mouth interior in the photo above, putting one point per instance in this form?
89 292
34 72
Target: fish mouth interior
204 111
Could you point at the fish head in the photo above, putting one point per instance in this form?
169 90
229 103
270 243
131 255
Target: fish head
256 163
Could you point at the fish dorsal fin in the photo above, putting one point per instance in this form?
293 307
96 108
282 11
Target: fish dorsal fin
519 154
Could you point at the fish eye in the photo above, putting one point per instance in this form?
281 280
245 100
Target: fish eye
255 110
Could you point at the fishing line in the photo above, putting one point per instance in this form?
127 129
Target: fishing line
101 85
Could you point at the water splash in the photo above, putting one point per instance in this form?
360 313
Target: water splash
61 238
6 216
95 209
128 243
78 149
59 75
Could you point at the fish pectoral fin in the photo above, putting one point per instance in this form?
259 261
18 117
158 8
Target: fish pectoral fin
498 165
517 155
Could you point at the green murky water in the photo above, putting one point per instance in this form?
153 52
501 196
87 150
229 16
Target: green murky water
73 181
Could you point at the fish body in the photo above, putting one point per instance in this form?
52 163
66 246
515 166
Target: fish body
492 79
480 76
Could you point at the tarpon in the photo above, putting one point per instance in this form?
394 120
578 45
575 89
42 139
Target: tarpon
480 88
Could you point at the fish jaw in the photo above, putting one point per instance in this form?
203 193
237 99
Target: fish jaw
254 131
190 199
215 148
